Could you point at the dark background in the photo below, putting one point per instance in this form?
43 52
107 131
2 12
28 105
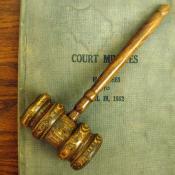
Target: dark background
9 27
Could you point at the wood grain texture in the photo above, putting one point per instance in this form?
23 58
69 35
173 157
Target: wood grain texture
9 26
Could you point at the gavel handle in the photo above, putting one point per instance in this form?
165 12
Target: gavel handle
113 68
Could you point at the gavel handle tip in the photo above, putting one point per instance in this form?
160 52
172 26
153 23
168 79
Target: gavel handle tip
164 9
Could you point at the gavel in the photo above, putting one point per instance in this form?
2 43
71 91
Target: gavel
74 141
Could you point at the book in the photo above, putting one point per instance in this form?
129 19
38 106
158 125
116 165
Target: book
64 46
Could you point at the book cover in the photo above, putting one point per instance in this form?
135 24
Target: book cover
64 46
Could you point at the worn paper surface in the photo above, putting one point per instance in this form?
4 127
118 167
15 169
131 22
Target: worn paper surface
64 45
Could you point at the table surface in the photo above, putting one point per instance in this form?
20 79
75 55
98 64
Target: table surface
9 27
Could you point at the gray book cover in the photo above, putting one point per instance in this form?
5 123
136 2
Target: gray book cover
64 46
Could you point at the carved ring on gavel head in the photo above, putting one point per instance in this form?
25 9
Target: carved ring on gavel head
74 141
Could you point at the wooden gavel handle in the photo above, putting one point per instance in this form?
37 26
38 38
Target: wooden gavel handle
113 68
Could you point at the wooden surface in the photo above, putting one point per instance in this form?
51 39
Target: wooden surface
9 22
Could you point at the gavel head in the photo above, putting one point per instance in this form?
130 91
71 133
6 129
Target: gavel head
48 122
